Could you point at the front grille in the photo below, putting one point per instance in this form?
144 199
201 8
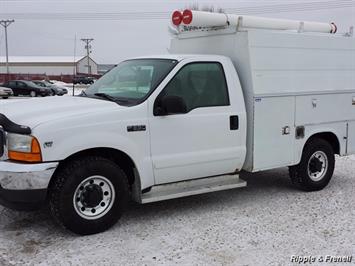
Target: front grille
2 142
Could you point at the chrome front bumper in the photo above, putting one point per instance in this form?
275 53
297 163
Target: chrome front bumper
18 176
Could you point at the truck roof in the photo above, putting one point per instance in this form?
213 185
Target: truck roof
180 57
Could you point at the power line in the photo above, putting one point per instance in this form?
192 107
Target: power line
130 1
298 6
253 10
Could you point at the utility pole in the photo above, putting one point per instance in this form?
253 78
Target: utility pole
5 24
87 42
74 64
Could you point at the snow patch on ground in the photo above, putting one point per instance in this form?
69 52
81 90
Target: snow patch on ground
263 224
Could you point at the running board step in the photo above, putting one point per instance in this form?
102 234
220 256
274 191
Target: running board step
192 187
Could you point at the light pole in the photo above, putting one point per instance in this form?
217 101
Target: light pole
5 24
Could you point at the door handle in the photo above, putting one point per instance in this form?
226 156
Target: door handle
234 122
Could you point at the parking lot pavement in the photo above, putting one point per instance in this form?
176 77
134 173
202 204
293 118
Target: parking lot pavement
263 224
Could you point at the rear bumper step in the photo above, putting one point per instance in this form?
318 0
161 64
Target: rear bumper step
192 187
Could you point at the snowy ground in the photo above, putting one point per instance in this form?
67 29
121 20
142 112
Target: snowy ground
77 90
263 224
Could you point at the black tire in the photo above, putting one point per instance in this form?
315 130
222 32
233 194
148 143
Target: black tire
301 174
65 184
5 97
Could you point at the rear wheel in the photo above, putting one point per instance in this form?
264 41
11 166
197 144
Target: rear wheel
33 94
89 195
316 167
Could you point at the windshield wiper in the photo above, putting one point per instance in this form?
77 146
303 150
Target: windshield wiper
112 98
106 96
83 93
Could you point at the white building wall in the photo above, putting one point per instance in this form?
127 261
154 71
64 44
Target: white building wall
82 66
48 65
49 70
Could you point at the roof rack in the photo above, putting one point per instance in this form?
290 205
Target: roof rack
190 20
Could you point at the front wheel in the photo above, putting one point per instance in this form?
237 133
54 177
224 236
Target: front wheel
33 94
316 168
88 195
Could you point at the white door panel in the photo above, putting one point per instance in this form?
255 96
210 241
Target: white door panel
194 145
272 147
198 143
196 157
351 138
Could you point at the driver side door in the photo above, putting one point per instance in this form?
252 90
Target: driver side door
199 142
22 88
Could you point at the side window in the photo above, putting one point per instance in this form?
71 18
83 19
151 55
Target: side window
21 84
11 84
200 85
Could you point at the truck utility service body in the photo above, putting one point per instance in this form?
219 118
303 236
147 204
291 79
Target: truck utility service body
226 100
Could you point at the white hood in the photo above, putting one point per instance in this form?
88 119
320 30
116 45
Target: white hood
32 112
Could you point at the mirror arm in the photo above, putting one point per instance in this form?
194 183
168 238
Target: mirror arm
159 111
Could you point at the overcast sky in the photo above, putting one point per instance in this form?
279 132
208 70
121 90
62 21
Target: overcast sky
124 29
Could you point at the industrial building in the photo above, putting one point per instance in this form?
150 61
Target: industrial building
48 65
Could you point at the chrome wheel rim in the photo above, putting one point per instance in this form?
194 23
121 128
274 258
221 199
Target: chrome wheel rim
317 166
32 94
94 197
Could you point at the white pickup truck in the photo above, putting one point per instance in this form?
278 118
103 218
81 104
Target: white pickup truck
226 99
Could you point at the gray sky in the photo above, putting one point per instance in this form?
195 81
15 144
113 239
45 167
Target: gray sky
124 29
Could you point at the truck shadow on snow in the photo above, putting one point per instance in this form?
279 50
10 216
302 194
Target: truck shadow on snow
261 186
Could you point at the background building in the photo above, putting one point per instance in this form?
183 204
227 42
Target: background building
55 67
104 68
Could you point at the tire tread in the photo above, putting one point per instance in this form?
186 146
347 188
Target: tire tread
298 173
57 186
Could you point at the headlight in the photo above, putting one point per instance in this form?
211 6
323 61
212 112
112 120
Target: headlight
23 148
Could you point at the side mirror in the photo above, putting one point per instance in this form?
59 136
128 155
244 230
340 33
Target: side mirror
170 105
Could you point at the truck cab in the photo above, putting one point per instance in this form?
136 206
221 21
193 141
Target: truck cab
167 126
158 117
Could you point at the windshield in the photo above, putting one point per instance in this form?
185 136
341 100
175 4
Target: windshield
131 80
39 83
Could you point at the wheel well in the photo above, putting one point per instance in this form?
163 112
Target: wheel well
119 157
330 137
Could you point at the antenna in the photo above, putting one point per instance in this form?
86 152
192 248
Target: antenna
74 63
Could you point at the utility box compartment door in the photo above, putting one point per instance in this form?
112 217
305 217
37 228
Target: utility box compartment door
351 138
274 132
